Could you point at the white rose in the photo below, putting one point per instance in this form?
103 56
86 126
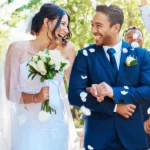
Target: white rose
33 64
129 60
43 57
57 65
54 54
43 116
67 62
35 58
39 53
41 67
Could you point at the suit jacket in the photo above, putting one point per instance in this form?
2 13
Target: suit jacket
102 125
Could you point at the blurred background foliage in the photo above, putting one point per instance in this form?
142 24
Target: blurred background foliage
81 11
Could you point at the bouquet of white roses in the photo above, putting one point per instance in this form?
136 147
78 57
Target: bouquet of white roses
47 64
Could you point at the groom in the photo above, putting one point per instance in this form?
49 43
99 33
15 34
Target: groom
116 78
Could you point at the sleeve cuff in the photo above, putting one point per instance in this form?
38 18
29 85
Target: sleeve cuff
115 109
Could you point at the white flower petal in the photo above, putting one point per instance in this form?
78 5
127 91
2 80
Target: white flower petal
124 92
83 77
75 9
92 50
132 49
85 53
85 111
43 116
148 111
83 99
124 50
108 4
135 35
126 87
135 44
90 147
22 119
83 94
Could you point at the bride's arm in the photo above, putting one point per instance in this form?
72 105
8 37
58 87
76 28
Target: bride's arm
12 69
71 54
40 97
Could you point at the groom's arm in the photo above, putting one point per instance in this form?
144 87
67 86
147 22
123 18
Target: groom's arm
138 95
78 84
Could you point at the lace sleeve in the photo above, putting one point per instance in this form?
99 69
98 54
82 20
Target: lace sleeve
12 64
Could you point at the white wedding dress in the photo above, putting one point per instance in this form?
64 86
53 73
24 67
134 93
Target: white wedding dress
28 132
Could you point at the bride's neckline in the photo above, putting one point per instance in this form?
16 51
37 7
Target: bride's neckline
32 50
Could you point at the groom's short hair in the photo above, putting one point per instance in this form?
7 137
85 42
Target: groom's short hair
114 13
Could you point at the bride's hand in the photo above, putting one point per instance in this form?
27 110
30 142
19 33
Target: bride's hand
42 96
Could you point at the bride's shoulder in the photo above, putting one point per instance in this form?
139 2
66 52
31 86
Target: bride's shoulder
17 46
69 48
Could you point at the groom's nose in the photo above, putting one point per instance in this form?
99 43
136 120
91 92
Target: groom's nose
94 30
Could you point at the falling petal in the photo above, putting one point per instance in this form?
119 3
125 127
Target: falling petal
148 111
124 50
124 92
83 99
92 50
83 77
75 9
83 94
108 4
90 147
126 87
22 119
85 53
85 111
135 44
135 35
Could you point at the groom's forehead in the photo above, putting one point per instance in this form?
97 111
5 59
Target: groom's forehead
100 17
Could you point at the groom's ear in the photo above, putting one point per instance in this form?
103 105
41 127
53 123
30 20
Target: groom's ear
116 27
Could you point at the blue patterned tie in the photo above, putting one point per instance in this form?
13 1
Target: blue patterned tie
113 63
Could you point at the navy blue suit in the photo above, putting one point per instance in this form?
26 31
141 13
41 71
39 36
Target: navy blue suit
102 125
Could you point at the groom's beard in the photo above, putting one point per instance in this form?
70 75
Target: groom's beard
103 40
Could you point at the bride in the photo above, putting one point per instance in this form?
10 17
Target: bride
51 28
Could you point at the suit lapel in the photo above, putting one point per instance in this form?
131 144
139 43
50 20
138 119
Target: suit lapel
105 62
125 51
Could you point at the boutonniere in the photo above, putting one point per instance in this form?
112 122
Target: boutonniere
131 61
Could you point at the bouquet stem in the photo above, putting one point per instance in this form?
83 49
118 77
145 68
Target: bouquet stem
45 107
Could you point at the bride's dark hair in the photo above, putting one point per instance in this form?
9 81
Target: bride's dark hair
50 11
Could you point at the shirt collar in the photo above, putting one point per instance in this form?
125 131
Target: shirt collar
117 47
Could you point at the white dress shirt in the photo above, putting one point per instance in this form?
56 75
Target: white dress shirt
117 54
145 12
118 49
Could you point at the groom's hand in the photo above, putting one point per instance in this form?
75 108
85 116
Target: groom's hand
93 90
105 90
147 126
125 110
